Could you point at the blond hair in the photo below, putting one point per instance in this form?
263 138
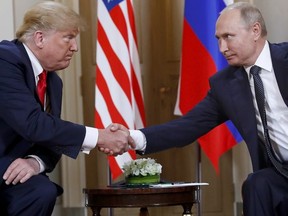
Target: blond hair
47 16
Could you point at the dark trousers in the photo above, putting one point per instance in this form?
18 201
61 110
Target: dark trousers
35 197
265 193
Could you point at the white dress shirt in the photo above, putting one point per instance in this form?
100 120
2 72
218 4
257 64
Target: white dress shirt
91 136
139 139
276 109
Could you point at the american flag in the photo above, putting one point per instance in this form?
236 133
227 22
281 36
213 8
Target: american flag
200 60
118 95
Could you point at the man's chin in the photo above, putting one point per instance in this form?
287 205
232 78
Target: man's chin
64 65
233 63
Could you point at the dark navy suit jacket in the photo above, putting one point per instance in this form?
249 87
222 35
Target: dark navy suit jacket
229 98
24 127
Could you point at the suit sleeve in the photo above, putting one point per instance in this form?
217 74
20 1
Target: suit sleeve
183 131
50 158
23 115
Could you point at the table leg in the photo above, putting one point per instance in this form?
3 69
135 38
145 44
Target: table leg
187 209
144 211
96 211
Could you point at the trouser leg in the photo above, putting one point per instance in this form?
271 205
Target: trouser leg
35 197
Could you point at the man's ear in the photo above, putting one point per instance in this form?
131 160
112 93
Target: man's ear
257 29
39 39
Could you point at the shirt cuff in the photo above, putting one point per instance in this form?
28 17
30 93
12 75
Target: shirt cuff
41 163
139 139
90 140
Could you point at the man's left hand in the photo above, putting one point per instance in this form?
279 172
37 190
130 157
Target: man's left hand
20 170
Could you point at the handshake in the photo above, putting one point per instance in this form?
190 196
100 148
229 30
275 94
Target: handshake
115 140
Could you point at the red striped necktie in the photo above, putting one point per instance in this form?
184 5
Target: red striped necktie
41 86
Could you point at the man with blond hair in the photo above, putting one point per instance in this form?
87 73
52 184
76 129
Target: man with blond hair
32 135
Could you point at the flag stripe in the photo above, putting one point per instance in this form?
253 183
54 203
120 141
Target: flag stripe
201 59
115 115
114 167
221 139
132 21
139 99
135 67
207 12
113 34
116 93
115 63
119 20
193 82
121 159
118 87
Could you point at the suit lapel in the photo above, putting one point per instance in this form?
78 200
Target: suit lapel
54 94
242 102
29 74
53 86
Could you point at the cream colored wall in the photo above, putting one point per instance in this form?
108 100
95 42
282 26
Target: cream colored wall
11 14
6 13
276 16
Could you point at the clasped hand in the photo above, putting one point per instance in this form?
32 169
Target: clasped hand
115 140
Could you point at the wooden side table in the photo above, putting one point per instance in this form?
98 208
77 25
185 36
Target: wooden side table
119 197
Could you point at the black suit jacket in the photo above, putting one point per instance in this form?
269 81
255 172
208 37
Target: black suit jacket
229 98
24 127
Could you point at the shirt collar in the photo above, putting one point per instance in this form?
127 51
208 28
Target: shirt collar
264 59
36 66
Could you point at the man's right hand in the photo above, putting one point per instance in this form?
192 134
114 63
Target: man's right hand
115 140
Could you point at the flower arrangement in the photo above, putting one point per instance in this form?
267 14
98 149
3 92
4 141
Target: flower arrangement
142 171
142 167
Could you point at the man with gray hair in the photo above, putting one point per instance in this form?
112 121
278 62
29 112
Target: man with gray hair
32 135
251 92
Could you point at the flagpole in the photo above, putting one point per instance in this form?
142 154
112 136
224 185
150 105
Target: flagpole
109 177
199 177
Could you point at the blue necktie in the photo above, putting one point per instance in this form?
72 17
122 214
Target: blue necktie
260 98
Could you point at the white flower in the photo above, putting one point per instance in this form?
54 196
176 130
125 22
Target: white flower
142 167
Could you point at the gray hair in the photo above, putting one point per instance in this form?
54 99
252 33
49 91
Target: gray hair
250 14
47 16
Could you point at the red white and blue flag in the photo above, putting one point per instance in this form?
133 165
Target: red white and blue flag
118 95
201 59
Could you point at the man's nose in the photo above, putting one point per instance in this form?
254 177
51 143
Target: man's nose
74 46
222 46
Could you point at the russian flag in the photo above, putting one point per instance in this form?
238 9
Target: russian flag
201 59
